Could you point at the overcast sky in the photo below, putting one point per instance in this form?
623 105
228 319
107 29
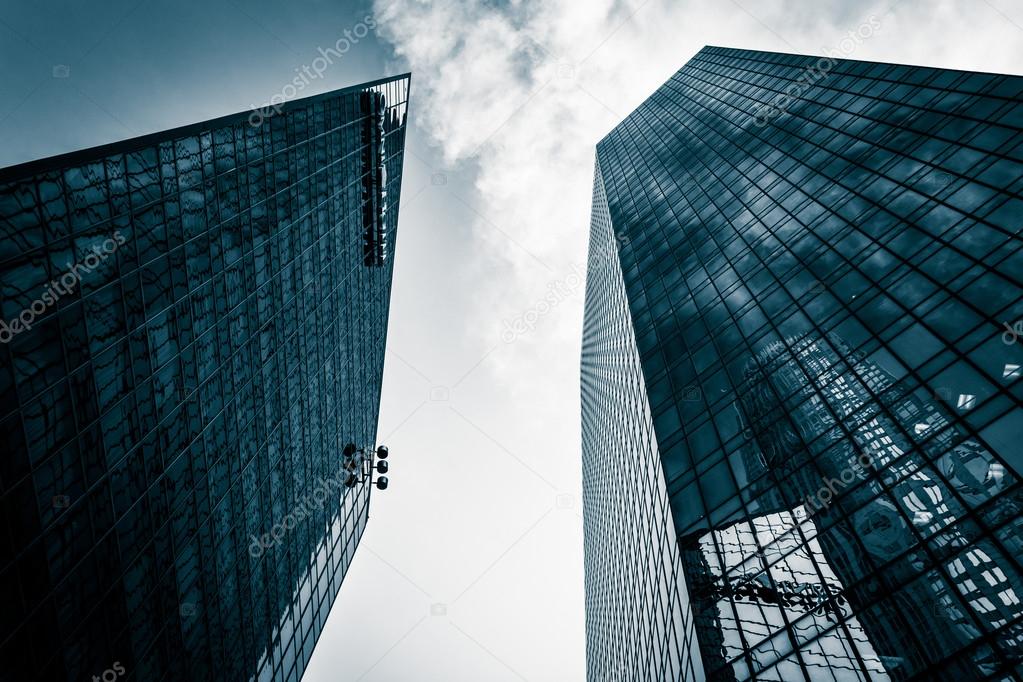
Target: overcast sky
471 567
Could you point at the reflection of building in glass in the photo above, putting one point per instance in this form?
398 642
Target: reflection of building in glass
882 474
735 599
172 425
817 304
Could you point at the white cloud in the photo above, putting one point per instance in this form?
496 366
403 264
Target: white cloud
523 91
515 95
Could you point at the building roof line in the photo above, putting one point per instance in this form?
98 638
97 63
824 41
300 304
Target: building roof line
75 157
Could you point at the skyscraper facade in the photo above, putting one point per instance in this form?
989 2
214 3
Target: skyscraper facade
821 263
635 616
193 329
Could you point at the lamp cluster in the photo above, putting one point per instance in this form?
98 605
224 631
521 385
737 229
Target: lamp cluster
360 463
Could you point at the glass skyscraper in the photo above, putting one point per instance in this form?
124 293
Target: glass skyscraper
802 353
193 328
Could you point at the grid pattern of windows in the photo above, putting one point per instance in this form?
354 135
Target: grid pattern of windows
637 622
193 328
826 289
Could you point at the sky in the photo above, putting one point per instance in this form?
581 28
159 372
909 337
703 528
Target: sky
471 567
